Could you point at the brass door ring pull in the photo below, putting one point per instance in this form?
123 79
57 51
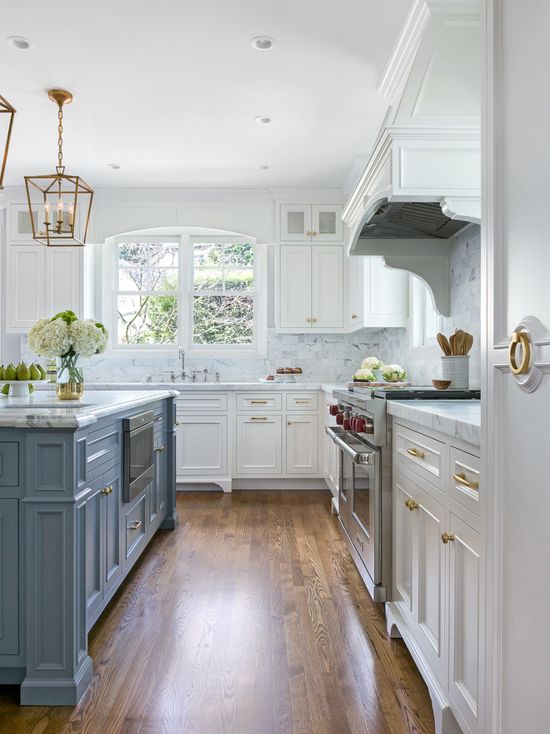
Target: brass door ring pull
523 338
445 537
461 479
416 453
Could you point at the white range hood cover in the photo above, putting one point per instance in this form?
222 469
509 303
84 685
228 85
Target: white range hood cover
428 151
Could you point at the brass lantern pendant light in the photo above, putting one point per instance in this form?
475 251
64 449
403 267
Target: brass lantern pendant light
59 204
9 111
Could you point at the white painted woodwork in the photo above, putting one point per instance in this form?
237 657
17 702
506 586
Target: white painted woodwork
64 279
330 454
259 444
300 401
467 465
20 223
295 279
421 453
259 401
515 505
378 296
310 223
302 444
404 521
295 222
199 402
326 223
327 290
25 286
202 445
464 619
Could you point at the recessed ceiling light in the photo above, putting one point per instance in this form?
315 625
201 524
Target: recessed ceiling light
114 166
262 43
18 42
263 120
264 167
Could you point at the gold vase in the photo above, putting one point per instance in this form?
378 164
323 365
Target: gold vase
69 390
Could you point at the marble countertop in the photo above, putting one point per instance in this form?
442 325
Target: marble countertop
43 410
210 386
458 418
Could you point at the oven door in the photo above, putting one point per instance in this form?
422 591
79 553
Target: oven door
360 498
139 462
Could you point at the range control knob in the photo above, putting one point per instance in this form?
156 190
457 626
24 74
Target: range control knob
334 409
360 425
340 419
347 424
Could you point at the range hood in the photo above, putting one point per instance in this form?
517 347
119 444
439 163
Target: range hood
421 185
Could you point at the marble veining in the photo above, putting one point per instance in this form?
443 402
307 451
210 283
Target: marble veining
211 386
458 418
44 412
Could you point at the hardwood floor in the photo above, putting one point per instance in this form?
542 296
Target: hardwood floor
249 619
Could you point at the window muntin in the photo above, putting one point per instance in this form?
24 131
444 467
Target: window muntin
223 295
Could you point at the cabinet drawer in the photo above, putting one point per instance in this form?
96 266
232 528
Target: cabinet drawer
9 464
260 401
202 401
424 455
134 523
464 479
302 401
101 447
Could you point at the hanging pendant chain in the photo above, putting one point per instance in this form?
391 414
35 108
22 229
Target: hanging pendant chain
60 137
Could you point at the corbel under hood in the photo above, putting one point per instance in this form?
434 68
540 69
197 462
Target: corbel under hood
422 182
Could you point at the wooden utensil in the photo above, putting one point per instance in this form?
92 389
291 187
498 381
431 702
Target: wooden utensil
444 344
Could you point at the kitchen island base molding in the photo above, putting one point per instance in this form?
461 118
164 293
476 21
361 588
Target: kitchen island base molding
57 691
444 720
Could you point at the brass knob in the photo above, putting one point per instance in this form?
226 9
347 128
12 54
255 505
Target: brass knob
314 233
411 504
354 316
461 479
160 449
289 423
309 233
314 321
308 321
416 453
445 537
134 525
523 338
107 490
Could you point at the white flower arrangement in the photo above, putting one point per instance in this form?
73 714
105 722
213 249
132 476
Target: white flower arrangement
50 338
364 375
394 373
371 363
66 335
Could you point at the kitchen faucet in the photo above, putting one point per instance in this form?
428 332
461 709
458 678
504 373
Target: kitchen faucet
181 354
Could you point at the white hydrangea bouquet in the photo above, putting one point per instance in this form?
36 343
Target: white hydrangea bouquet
68 338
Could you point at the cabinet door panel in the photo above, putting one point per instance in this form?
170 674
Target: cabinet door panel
302 444
259 444
295 287
431 570
404 534
94 549
386 295
326 223
9 579
295 223
464 607
201 445
113 539
327 286
25 286
64 279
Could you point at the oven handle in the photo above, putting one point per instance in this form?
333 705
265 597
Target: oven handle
358 457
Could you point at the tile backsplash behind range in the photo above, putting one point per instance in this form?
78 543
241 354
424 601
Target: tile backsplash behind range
331 357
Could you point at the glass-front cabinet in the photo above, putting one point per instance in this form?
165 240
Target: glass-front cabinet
311 223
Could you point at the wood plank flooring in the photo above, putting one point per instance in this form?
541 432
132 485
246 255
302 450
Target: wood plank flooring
249 619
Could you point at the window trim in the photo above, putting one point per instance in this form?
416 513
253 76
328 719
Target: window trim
185 295
419 301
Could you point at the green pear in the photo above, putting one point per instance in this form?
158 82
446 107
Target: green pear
1 371
5 390
9 372
43 373
23 372
31 389
34 372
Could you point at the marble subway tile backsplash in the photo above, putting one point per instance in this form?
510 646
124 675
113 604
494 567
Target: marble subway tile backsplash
330 357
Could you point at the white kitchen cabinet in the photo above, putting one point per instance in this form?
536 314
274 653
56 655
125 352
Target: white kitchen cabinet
258 445
41 282
377 296
311 287
330 454
464 618
201 446
404 538
310 222
302 444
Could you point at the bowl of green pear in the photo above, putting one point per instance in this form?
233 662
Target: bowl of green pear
19 381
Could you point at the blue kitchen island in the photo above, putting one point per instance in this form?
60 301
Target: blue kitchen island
69 530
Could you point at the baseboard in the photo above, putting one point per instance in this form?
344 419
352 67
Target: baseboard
57 691
314 484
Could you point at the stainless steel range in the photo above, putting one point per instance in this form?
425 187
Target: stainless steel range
363 437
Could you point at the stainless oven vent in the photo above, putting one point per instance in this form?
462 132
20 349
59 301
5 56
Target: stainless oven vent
410 220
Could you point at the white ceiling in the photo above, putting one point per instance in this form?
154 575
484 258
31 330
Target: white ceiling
169 89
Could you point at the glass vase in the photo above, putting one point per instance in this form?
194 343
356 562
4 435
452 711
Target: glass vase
70 380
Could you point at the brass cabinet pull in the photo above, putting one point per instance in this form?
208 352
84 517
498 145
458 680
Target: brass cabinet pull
314 233
134 525
302 402
411 504
461 479
308 321
289 423
417 453
160 449
158 418
107 490
258 402
523 338
354 315
258 418
313 321
445 537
